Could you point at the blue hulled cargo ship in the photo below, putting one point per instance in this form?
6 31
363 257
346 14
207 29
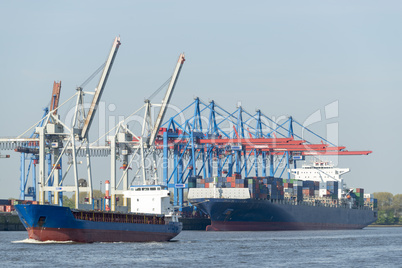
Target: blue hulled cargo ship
56 223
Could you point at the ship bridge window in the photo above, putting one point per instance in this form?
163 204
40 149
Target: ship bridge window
153 189
158 188
145 189
138 189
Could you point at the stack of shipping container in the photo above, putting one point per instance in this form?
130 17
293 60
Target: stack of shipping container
359 193
7 205
279 189
332 189
370 201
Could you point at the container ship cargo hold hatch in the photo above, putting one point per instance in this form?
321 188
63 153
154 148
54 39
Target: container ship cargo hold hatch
270 204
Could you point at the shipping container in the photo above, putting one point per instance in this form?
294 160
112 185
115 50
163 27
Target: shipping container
288 185
297 183
5 202
369 196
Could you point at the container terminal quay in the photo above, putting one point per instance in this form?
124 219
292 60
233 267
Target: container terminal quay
224 170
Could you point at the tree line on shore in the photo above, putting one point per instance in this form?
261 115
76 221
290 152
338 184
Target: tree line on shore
389 208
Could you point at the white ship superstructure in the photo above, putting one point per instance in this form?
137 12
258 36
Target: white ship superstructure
322 172
151 199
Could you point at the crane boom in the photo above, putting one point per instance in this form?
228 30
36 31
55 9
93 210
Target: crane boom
54 103
100 87
166 100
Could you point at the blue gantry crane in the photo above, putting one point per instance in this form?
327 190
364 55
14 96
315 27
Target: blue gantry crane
205 141
30 150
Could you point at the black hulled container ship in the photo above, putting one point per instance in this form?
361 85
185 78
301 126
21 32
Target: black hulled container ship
316 199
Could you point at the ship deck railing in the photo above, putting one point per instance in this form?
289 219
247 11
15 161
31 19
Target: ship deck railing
319 203
100 216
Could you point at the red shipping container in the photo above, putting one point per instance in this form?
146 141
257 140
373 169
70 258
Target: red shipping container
233 184
206 185
2 208
288 185
8 208
202 181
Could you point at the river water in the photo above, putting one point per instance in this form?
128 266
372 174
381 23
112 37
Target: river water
370 247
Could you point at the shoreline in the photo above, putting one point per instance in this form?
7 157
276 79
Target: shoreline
380 225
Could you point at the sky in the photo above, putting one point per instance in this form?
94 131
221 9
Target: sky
287 58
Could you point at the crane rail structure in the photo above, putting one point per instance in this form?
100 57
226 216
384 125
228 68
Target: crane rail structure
214 142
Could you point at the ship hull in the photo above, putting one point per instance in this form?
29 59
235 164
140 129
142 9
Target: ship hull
271 215
54 223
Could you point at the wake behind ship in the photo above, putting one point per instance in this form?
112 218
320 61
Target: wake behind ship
56 223
269 204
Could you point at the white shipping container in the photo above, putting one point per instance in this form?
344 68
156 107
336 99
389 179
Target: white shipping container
322 192
297 183
323 185
368 196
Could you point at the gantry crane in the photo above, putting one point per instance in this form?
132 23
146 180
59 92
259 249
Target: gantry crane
29 150
230 145
65 142
125 142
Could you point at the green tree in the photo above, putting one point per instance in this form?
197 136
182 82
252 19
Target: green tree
389 208
96 195
83 195
384 200
68 202
397 204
